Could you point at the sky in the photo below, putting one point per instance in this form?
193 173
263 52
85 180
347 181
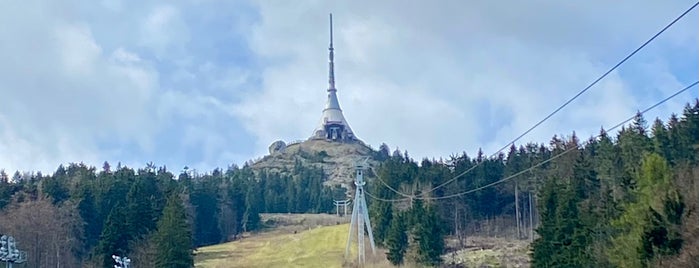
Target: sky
206 84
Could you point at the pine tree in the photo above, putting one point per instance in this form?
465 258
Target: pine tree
173 238
573 237
114 238
88 212
204 198
253 204
688 133
55 186
429 238
543 253
140 201
397 239
644 233
383 153
6 189
633 143
661 140
381 213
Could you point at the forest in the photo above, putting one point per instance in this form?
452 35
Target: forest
80 217
628 199
624 199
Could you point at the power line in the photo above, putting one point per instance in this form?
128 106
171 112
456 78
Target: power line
570 100
558 155
407 196
385 200
393 189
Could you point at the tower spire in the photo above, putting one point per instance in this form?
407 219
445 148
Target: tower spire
333 125
331 63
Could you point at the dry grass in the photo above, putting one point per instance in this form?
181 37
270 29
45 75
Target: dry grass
490 252
319 247
319 240
296 241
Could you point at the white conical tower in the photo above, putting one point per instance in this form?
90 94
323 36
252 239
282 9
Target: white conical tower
333 125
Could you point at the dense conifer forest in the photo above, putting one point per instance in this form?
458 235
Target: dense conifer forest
80 217
624 199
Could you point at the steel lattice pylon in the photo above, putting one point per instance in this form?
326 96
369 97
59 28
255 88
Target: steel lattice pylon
360 219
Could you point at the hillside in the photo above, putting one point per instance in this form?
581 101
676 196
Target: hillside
319 240
295 240
336 159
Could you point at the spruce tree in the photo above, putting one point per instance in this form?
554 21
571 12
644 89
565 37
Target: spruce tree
543 253
573 237
88 212
173 239
647 229
114 238
397 239
428 237
381 213
253 205
661 140
140 201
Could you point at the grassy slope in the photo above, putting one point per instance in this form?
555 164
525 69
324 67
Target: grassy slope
324 246
318 247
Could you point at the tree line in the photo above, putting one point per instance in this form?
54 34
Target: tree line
80 217
627 200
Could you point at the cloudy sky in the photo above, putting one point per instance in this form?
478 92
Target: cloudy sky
206 83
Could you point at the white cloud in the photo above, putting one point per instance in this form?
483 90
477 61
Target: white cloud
63 95
165 32
432 78
77 48
173 83
115 81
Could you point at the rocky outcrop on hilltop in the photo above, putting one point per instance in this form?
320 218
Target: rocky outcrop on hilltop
337 159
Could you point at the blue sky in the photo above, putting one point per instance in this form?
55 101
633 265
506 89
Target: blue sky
207 83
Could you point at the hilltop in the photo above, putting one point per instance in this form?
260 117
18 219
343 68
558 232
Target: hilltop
336 159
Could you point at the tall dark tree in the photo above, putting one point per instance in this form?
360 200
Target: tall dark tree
90 215
173 239
573 237
204 198
55 186
6 189
142 203
397 239
114 239
661 140
382 213
544 247
429 237
253 205
384 152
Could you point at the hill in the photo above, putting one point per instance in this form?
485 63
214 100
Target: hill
336 159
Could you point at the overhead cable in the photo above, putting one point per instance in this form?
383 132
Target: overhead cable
558 155
571 99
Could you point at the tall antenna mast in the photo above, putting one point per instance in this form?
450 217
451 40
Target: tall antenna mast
331 74
360 218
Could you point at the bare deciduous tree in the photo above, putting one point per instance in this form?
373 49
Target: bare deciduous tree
49 234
